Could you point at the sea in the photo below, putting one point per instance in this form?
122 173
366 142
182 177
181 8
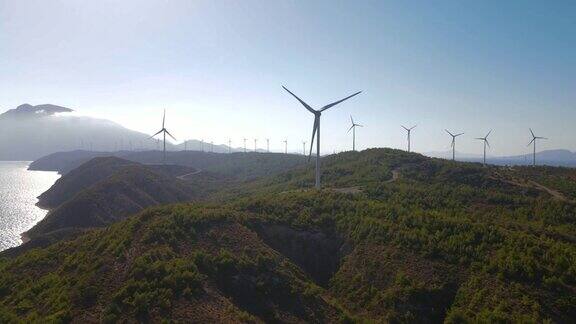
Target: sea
19 189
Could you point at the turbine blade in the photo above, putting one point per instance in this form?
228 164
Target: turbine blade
487 143
313 135
351 120
405 128
533 139
411 128
349 129
531 132
449 133
359 125
160 131
167 132
301 101
164 118
339 101
488 134
458 134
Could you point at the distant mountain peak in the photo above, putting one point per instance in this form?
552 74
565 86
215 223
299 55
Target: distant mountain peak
28 110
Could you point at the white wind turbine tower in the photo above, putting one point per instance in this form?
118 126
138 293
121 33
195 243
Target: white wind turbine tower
534 138
255 144
303 147
267 145
353 128
453 143
409 131
485 140
285 146
229 146
244 139
316 129
164 131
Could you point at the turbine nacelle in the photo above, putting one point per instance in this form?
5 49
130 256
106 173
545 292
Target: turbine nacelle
316 127
485 138
534 137
353 124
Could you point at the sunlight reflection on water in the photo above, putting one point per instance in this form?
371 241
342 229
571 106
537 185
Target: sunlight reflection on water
19 189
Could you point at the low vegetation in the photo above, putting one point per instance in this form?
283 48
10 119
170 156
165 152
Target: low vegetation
418 240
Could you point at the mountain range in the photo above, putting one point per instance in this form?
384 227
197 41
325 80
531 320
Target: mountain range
36 131
548 157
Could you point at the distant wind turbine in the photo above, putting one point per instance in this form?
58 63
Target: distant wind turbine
534 138
244 145
353 128
453 143
285 146
255 144
229 146
485 140
316 129
409 131
303 147
164 131
211 146
268 145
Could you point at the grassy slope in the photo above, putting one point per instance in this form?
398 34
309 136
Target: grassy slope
444 241
81 178
125 191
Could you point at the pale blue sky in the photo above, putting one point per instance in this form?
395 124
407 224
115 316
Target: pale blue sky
218 67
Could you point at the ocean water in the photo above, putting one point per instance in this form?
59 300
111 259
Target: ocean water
19 189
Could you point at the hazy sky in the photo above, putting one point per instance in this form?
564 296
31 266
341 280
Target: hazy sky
218 67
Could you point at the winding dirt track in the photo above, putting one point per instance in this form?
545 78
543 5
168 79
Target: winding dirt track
532 184
358 189
183 177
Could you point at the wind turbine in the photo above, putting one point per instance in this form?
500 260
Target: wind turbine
534 138
244 145
267 145
453 143
211 146
229 146
303 147
409 130
316 129
353 128
285 146
255 144
485 140
164 131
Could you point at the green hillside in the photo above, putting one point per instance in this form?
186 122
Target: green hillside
393 237
81 178
124 191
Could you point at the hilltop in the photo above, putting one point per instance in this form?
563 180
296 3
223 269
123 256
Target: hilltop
104 191
393 237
